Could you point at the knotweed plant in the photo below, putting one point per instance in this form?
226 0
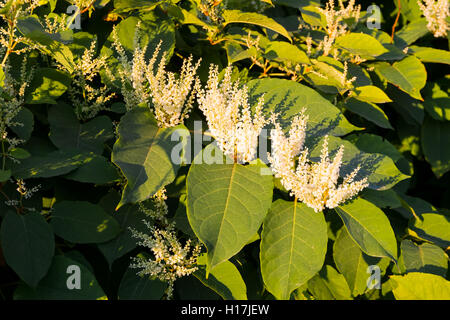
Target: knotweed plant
170 258
171 96
436 13
314 183
230 121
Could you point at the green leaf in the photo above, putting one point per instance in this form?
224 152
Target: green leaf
293 246
369 228
435 142
237 16
226 203
371 94
288 98
52 164
54 285
425 258
420 286
437 101
361 44
134 287
224 279
369 111
408 75
144 153
47 85
98 171
328 284
67 132
353 263
83 222
434 227
380 170
285 52
28 245
432 55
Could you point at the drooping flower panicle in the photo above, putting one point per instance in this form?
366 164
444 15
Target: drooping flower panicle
436 13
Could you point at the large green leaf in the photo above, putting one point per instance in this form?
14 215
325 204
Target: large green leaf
67 132
28 245
353 263
54 285
361 44
134 287
328 284
83 222
425 257
408 74
435 142
24 124
426 54
237 16
369 228
411 32
288 98
224 279
226 203
420 286
293 246
98 171
144 154
285 52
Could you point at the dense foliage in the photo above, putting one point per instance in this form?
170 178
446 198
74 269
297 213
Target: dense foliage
199 149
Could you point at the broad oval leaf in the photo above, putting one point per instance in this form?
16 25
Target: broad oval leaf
420 286
293 246
435 144
369 228
144 153
329 284
83 222
226 204
434 227
236 16
361 44
134 287
28 245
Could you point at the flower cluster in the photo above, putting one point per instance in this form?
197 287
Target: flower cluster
436 13
88 99
171 96
315 184
227 111
171 259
